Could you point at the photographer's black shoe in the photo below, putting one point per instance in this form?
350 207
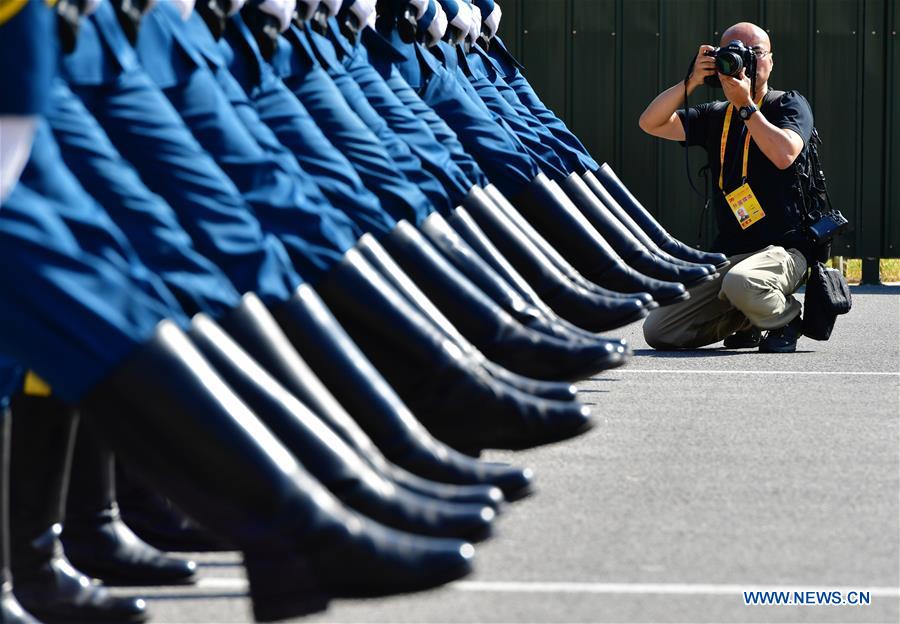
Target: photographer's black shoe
782 340
747 339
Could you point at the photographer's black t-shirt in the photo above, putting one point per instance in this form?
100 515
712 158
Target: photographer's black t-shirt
775 189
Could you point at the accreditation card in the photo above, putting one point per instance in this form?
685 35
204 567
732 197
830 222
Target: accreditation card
745 206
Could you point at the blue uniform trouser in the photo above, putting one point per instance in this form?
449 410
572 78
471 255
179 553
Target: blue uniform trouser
412 130
513 77
442 132
505 161
315 234
148 133
479 85
149 223
346 131
295 129
74 299
502 99
332 171
399 152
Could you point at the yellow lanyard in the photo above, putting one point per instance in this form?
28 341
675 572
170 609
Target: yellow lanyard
725 130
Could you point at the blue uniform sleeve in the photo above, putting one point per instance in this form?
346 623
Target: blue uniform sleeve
28 56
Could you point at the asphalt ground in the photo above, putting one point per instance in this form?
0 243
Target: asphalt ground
709 473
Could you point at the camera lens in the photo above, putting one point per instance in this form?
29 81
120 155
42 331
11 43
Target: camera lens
729 63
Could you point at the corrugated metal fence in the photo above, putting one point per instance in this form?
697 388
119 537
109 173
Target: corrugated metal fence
598 63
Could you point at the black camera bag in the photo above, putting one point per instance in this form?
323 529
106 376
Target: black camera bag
827 296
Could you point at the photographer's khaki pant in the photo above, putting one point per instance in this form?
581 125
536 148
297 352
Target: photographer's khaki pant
755 290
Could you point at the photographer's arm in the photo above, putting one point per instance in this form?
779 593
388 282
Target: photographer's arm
660 119
781 146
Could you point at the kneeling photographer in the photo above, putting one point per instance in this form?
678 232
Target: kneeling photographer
753 140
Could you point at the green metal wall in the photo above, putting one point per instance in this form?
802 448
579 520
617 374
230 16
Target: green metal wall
598 63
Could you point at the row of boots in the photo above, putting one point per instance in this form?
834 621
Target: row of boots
271 374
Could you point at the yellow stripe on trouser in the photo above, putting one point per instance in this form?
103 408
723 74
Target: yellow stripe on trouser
35 386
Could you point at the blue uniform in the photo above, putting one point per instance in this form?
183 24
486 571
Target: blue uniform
74 298
297 131
328 50
287 203
149 223
510 71
500 154
382 56
480 76
26 68
148 132
503 101
302 72
412 130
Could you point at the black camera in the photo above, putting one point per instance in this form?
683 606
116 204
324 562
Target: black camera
730 60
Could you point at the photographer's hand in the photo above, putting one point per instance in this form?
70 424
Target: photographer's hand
660 119
737 89
703 66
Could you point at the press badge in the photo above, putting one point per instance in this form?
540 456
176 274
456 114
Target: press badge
745 206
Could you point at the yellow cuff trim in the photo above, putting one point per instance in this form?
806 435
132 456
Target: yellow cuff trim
9 8
35 386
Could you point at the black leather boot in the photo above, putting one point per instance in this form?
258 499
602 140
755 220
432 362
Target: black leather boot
389 270
642 217
572 301
436 383
254 327
455 250
499 201
554 215
494 332
11 612
195 441
629 248
466 229
95 538
615 210
325 455
46 584
158 522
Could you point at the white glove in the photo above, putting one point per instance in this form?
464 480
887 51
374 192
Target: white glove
475 27
185 8
332 6
492 21
421 6
16 134
438 26
282 10
90 6
463 19
235 6
373 16
363 9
